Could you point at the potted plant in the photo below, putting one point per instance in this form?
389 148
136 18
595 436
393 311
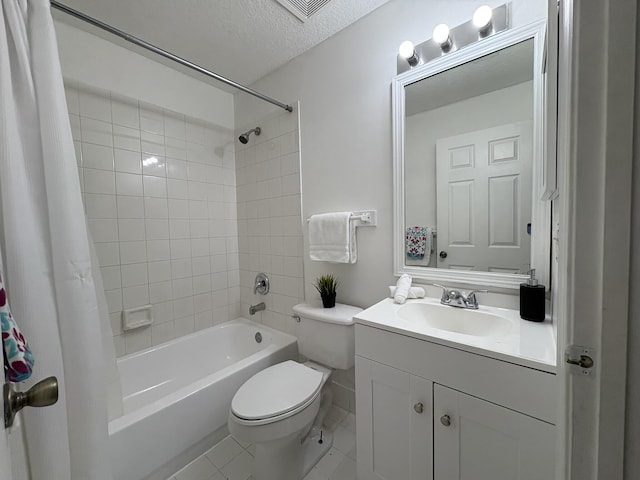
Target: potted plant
326 286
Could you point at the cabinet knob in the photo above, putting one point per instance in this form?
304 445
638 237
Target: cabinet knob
445 420
418 407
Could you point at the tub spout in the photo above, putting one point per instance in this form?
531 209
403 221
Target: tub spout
256 308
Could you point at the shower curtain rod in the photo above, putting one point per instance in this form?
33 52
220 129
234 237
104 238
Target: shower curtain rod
148 46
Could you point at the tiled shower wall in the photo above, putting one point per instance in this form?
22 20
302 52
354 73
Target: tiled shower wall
269 218
159 194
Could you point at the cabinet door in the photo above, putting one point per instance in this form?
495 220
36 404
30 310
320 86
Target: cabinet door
394 414
484 441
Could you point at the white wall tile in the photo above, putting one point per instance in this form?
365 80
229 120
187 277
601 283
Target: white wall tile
125 111
126 138
130 207
97 156
100 206
127 161
130 229
155 186
152 227
128 184
133 252
96 131
99 181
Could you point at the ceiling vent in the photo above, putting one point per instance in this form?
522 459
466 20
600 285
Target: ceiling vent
303 9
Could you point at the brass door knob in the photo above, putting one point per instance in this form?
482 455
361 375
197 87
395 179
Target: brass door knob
445 420
42 394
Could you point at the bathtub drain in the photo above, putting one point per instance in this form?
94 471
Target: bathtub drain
258 337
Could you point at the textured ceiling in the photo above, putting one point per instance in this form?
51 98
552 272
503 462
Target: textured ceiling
240 39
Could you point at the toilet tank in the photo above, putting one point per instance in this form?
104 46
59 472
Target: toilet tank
327 335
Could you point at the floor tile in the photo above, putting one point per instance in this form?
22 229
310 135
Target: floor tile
328 464
344 440
239 468
200 469
349 422
224 452
315 475
346 470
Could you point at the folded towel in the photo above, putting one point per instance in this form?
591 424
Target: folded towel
418 242
414 292
332 238
18 358
402 288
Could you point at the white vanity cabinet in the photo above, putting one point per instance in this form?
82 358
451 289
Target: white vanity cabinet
432 412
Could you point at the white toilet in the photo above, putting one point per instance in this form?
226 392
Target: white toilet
281 408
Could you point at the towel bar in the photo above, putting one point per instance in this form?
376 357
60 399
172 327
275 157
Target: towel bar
365 218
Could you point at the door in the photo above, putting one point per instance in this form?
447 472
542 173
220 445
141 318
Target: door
478 440
484 199
394 417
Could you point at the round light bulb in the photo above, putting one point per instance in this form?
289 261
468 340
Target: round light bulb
482 17
406 49
441 34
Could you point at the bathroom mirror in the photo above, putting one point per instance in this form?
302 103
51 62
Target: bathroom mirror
469 156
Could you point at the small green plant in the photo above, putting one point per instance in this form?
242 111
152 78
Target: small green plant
326 285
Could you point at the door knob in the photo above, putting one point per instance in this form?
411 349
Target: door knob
42 394
418 407
443 254
445 420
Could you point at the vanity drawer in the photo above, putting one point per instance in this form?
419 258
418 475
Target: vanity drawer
519 388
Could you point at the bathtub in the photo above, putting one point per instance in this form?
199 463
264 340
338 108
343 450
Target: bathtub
176 395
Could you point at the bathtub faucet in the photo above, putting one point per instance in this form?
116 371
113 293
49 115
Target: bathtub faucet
256 308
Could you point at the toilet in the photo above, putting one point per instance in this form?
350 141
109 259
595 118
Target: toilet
281 408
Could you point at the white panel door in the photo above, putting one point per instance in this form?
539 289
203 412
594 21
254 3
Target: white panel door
484 199
395 423
484 441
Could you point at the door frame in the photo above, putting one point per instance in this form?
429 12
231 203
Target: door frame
595 153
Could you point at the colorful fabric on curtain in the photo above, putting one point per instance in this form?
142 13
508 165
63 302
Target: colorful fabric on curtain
18 359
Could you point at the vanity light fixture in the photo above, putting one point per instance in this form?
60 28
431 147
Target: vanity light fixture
408 52
441 37
482 20
484 23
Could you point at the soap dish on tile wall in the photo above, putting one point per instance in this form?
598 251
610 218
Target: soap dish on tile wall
137 317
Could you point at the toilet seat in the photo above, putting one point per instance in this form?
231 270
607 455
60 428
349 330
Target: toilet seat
276 393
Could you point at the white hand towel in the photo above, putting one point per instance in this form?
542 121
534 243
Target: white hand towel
332 238
402 288
414 292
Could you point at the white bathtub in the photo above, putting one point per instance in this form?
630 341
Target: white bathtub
177 395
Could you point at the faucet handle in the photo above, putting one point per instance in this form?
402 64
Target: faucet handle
445 292
470 298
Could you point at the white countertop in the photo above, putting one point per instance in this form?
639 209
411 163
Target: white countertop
529 344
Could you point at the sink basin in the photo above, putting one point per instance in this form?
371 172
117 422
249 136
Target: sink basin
456 320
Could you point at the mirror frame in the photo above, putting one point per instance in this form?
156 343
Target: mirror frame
543 162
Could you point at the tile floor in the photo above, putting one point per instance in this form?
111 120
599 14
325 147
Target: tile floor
233 460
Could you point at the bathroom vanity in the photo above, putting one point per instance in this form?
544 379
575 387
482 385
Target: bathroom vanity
472 398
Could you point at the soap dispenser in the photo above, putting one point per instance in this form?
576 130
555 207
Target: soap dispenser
532 299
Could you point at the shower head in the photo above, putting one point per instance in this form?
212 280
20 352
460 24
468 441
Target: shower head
244 138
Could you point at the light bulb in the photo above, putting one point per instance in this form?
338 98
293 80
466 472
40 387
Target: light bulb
406 49
408 52
441 35
482 18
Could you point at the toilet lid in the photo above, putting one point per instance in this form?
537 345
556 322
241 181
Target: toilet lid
276 390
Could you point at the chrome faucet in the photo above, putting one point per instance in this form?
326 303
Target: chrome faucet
459 298
256 308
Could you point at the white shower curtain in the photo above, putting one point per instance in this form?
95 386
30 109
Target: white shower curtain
45 250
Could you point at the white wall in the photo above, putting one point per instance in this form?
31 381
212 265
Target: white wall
344 88
94 61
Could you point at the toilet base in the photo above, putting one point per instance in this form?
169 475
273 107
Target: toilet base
314 450
290 460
